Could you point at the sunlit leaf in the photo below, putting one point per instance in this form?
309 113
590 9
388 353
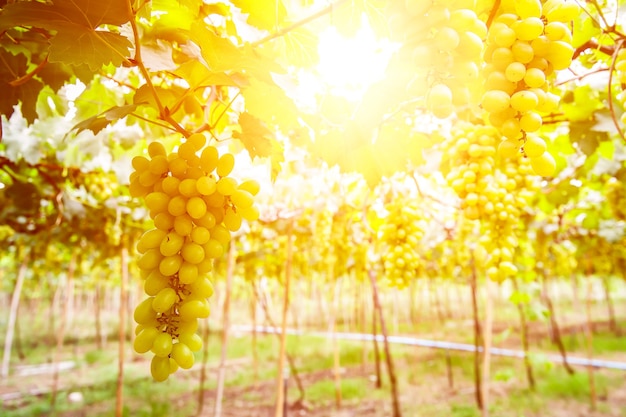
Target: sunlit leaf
263 15
102 120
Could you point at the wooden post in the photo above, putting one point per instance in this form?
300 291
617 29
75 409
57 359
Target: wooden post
221 373
15 304
119 398
283 335
392 375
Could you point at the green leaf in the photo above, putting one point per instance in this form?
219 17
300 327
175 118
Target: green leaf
198 75
102 120
262 15
587 139
254 135
75 22
78 45
26 93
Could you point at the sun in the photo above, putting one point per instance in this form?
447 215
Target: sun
348 66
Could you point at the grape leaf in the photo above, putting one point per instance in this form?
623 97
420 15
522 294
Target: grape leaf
198 75
26 93
262 16
254 135
102 120
75 22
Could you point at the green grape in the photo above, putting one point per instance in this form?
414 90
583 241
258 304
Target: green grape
150 239
209 158
170 265
156 148
164 221
207 221
543 165
194 309
155 282
140 163
164 300
170 186
515 71
524 101
178 167
206 185
202 288
528 8
150 259
509 148
225 164
183 224
534 146
249 213
188 273
200 235
160 368
251 186
193 253
182 355
171 244
197 141
159 165
188 326
495 101
187 187
144 340
162 345
232 220
242 198
144 313
192 340
529 28
187 151
221 234
196 207
177 206
226 186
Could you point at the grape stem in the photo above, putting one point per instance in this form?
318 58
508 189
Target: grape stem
492 13
164 113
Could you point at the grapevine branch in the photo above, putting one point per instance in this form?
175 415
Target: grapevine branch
28 76
618 47
163 111
299 23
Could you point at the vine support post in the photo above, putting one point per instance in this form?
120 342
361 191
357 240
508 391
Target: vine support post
280 382
524 334
554 324
205 359
69 289
383 328
606 286
119 396
333 330
490 289
593 397
478 342
221 373
379 381
15 304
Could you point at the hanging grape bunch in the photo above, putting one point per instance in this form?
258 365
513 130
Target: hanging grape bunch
195 206
526 44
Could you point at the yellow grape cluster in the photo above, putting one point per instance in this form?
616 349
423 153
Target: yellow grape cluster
616 197
525 45
468 162
195 206
401 234
446 43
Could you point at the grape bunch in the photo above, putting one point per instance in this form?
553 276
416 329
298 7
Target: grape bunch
444 40
195 206
616 197
401 234
468 163
526 44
